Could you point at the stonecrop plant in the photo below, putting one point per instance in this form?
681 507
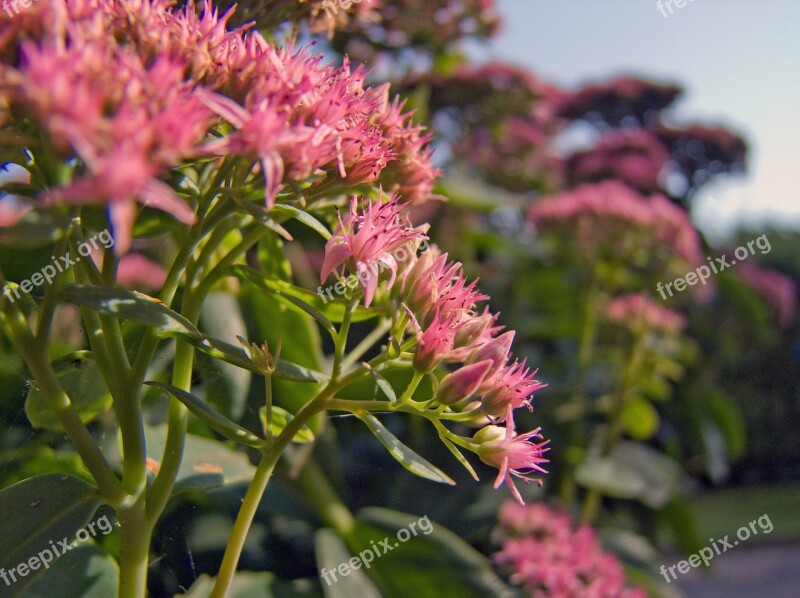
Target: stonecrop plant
214 155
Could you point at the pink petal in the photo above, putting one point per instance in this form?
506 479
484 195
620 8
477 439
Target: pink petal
122 214
160 195
337 251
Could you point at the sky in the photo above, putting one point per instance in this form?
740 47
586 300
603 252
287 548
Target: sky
737 59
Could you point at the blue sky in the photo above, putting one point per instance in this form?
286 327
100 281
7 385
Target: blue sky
737 59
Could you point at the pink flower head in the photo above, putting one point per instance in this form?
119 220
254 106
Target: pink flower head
515 455
368 238
509 386
637 308
549 557
600 214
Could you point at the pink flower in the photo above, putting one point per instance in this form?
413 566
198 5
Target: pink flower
543 552
514 455
510 385
637 308
368 238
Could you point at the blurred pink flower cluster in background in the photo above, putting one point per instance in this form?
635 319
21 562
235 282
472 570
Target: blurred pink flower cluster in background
550 558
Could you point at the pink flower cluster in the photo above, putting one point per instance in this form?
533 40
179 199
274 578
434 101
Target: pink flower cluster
635 157
636 308
133 109
443 308
596 211
551 559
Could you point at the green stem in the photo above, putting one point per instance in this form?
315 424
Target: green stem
158 494
341 339
242 525
578 398
46 381
135 533
48 306
268 405
593 498
257 487
108 349
412 386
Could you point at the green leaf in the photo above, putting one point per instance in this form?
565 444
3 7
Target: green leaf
431 563
221 315
237 356
280 419
262 216
632 470
86 571
678 517
216 421
728 416
129 305
83 383
382 382
332 309
404 455
639 419
331 552
303 217
461 458
206 463
311 311
40 509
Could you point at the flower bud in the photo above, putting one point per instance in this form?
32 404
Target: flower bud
462 383
471 330
492 442
496 350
